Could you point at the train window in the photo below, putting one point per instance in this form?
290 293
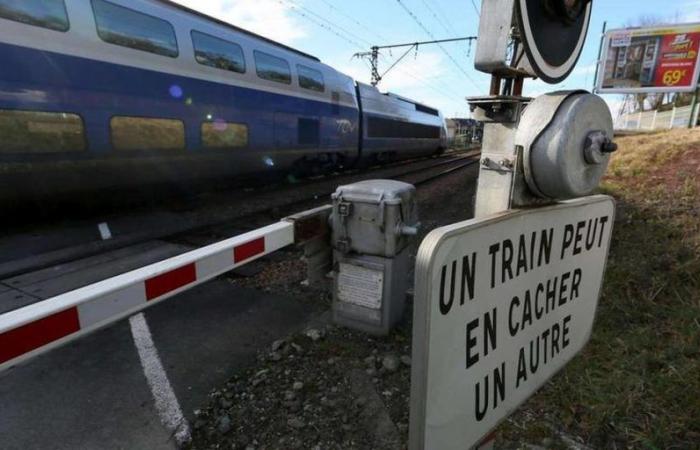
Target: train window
142 133
123 26
272 68
49 14
427 110
224 135
215 52
310 79
387 128
40 132
335 102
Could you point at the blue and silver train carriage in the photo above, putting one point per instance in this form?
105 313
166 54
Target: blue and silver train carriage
98 94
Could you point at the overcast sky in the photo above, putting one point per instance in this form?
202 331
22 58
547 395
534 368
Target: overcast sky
334 30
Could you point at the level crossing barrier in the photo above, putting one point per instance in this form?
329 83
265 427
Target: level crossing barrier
34 329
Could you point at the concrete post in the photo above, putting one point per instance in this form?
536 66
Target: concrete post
673 117
693 116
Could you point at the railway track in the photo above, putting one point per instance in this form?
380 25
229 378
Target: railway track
206 217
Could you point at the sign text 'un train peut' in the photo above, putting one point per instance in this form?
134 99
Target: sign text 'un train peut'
501 305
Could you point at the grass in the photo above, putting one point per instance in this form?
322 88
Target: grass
637 383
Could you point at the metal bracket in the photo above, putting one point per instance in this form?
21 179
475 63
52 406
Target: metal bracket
504 165
312 224
343 245
344 209
500 109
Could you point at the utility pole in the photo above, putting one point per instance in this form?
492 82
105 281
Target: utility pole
693 107
374 61
373 54
600 55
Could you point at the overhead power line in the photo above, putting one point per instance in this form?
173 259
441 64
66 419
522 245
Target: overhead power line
437 19
478 13
446 22
429 33
324 23
353 19
352 39
445 17
436 41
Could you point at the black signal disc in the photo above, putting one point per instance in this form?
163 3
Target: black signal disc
553 39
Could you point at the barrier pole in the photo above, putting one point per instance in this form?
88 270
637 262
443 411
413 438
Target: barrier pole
693 116
29 331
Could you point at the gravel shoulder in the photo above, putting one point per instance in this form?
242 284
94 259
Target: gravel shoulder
325 387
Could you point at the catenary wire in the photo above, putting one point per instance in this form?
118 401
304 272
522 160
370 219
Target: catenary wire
429 33
353 39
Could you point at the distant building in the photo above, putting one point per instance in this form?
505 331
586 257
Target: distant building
463 132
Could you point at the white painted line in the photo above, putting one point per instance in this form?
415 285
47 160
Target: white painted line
166 402
105 232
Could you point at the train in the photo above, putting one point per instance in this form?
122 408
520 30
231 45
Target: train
101 94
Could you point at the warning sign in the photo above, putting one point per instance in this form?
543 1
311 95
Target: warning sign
501 305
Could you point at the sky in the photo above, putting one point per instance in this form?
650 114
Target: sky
439 76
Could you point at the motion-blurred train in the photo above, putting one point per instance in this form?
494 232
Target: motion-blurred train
100 94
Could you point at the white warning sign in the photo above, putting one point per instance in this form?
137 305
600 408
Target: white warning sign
360 286
501 305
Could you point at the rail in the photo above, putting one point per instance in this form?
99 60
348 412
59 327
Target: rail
248 205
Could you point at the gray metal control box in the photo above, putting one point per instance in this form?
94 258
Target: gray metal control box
373 222
374 217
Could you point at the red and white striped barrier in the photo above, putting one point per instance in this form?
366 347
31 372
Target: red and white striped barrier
36 328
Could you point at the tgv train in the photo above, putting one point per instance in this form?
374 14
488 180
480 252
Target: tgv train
99 94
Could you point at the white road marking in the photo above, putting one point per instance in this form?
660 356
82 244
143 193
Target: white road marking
166 402
105 232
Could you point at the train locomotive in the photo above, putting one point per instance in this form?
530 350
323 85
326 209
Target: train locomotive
102 94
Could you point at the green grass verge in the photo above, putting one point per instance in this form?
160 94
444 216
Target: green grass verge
637 383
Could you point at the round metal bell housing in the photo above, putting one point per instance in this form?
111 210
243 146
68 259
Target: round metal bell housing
567 141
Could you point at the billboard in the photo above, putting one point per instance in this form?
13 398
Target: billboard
645 60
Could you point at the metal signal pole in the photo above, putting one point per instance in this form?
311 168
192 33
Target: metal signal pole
599 60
